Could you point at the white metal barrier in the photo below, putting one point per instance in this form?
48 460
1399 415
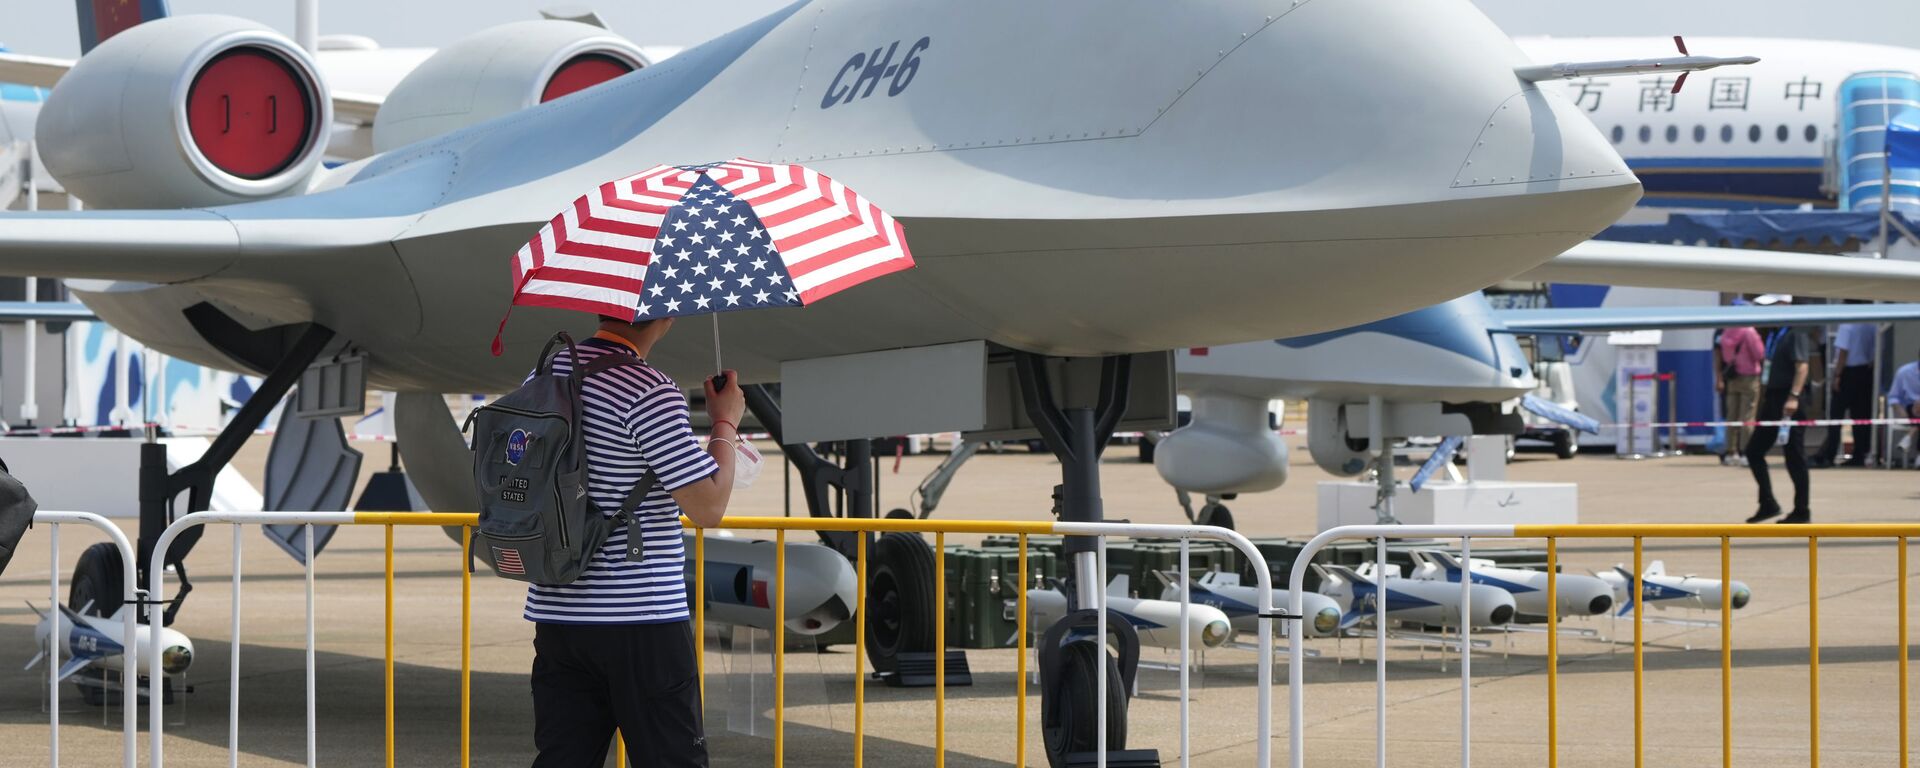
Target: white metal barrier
1182 533
130 680
1296 672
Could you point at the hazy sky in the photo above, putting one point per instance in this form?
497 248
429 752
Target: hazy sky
46 26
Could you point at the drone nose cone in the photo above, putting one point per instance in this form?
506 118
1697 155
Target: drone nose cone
1502 614
1599 605
1741 595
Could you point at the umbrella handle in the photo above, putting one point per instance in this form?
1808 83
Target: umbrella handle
719 382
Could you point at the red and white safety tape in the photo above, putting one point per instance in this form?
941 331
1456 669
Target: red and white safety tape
1774 423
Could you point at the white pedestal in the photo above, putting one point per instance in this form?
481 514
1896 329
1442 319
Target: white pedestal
102 475
1471 503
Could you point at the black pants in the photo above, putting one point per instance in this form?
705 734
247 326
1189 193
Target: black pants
1772 405
640 677
1852 399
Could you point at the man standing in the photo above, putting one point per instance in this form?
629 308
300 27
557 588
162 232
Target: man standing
1903 402
1788 350
615 647
1855 346
1736 375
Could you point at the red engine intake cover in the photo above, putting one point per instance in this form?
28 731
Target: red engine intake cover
583 71
250 113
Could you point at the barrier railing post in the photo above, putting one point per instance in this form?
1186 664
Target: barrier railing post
1639 690
53 647
1020 666
860 651
699 614
466 645
780 648
1553 652
1380 649
233 663
1100 650
1903 651
389 648
1813 649
1726 652
1186 655
1466 651
312 712
940 650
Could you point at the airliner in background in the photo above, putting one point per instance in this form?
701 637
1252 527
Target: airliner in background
1742 138
1766 136
1755 137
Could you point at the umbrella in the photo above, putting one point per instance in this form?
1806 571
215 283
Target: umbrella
678 240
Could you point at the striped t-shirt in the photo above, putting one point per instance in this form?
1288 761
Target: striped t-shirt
634 418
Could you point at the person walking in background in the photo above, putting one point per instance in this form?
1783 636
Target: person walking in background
1736 376
1788 350
1855 346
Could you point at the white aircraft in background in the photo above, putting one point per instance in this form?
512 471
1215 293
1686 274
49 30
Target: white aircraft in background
1755 136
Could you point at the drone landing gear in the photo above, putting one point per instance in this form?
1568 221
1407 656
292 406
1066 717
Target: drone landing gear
1071 660
158 487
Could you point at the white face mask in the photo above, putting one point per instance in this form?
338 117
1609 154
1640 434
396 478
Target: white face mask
746 465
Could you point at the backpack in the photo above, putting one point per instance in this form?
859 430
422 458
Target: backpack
16 515
529 465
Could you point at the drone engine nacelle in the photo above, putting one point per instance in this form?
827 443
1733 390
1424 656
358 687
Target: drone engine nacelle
1328 442
184 112
499 71
1227 448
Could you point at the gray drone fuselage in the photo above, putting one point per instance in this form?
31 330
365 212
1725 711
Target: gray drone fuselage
1075 178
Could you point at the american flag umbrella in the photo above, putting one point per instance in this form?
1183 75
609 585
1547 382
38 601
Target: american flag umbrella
698 239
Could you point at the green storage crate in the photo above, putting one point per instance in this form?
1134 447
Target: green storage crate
1148 556
983 590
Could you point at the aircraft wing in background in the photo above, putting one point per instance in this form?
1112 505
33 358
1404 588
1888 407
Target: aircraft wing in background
1732 270
1597 319
36 71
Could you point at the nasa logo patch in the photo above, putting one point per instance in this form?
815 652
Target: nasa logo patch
517 443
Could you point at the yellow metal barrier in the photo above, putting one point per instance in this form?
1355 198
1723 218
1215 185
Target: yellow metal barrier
1899 532
467 522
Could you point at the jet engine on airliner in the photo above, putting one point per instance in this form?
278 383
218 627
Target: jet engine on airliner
1328 443
499 71
187 111
1227 448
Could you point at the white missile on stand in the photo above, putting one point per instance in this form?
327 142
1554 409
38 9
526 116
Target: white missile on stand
1223 590
1662 591
1155 621
86 641
1578 595
821 585
1411 600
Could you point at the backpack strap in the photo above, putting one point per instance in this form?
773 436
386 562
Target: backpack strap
636 546
606 362
547 354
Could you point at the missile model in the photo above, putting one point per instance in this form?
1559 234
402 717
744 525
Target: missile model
1411 600
1223 590
1577 594
1661 590
821 584
101 640
1155 621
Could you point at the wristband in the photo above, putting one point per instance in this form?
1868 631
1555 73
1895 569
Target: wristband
736 427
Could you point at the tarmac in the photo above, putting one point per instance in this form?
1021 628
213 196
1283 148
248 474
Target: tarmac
1859 647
